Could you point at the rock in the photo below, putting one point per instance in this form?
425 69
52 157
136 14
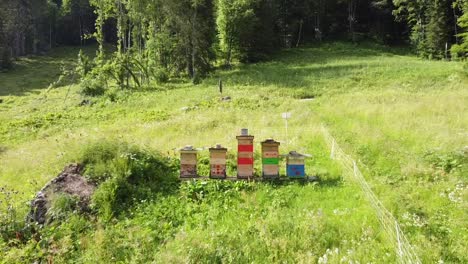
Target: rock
188 108
69 181
314 178
86 102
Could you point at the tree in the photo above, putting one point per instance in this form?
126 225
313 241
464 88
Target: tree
429 24
437 29
234 19
460 50
74 22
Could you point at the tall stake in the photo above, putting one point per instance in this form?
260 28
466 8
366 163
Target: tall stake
286 116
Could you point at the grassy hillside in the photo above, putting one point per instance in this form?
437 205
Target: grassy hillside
402 118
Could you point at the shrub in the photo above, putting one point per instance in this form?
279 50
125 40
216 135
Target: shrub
92 85
161 76
447 162
62 205
10 224
127 175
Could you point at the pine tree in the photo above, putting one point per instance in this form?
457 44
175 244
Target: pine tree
461 50
437 30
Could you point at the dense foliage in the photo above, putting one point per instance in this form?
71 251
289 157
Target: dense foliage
36 26
155 39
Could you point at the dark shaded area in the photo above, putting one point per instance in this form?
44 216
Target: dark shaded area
303 69
331 182
36 73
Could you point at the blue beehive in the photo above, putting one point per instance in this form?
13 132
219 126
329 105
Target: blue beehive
295 165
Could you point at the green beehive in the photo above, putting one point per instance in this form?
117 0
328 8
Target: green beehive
270 158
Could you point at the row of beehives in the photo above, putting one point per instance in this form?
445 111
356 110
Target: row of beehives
295 166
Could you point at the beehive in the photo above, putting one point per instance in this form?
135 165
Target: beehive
295 165
270 158
188 162
245 158
218 162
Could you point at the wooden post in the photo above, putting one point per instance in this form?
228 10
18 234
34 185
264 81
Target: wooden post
188 162
218 162
270 159
245 159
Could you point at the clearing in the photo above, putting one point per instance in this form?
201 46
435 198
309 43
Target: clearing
403 119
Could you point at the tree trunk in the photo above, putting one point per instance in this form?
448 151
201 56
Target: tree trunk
455 21
352 18
80 21
300 33
193 46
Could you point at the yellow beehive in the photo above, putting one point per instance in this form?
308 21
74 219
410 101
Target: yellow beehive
218 162
188 162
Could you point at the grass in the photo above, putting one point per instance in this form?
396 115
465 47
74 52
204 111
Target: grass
403 118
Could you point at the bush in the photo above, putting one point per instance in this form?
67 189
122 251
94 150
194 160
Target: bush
161 76
93 81
447 162
127 175
62 206
10 224
92 86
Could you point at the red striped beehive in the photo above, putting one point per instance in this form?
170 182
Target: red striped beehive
270 158
245 159
218 162
188 162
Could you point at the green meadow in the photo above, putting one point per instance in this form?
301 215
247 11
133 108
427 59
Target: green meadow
403 119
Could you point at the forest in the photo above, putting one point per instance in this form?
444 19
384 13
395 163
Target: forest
152 40
233 131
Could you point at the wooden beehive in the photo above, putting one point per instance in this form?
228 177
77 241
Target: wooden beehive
218 162
295 165
188 162
245 159
270 158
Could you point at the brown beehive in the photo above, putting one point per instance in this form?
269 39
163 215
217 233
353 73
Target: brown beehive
218 162
245 159
270 158
188 162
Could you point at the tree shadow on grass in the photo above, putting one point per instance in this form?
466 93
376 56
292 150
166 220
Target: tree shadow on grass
306 79
322 183
307 67
32 74
331 182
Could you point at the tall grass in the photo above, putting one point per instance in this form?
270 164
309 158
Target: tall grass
403 119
